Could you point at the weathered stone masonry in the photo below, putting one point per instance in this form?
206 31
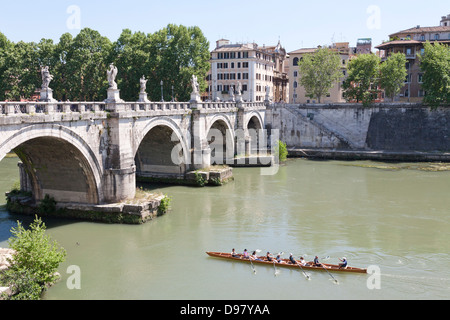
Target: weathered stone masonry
391 128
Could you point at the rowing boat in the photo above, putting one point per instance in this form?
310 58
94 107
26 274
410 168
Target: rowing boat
287 264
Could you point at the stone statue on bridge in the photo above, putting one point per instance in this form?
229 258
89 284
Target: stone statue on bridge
195 95
46 77
143 84
112 74
46 92
143 94
194 83
231 93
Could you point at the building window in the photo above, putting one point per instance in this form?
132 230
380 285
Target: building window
295 61
420 78
295 74
295 84
422 37
436 36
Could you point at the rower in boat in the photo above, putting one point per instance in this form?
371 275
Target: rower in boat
269 257
316 262
245 254
279 260
302 261
234 254
254 256
344 263
291 259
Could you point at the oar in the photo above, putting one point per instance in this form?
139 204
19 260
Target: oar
329 274
280 253
304 273
251 263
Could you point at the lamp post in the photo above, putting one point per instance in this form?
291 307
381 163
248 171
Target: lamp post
162 94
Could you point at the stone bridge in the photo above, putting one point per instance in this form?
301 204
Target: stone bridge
91 152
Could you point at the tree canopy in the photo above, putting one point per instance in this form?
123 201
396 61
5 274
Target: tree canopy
435 63
392 74
78 64
361 84
319 72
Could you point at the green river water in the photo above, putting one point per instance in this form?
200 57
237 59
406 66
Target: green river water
390 216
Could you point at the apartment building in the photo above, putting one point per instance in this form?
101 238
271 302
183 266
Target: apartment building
297 93
411 43
249 67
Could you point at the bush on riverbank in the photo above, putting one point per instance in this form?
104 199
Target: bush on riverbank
34 265
281 151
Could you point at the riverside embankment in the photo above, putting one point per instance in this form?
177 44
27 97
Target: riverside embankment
392 132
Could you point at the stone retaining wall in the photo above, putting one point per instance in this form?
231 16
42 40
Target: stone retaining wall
398 127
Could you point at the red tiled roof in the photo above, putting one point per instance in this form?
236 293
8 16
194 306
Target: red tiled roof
407 42
423 30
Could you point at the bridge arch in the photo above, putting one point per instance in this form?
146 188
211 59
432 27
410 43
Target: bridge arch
220 136
253 128
254 120
161 149
58 162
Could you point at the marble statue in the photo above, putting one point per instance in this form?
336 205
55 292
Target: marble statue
46 77
194 83
143 83
112 73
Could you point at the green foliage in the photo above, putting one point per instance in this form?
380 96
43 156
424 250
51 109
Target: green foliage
35 262
281 151
199 180
47 205
79 64
435 63
392 74
319 72
164 205
362 81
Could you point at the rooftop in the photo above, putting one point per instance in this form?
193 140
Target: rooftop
419 29
406 42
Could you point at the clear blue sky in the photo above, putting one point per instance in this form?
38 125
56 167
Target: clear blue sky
297 23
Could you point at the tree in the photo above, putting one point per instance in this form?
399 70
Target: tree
361 83
319 72
177 53
435 63
5 47
392 74
87 60
20 70
79 64
131 55
35 262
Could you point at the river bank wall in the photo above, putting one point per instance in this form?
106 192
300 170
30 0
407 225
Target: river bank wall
387 131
